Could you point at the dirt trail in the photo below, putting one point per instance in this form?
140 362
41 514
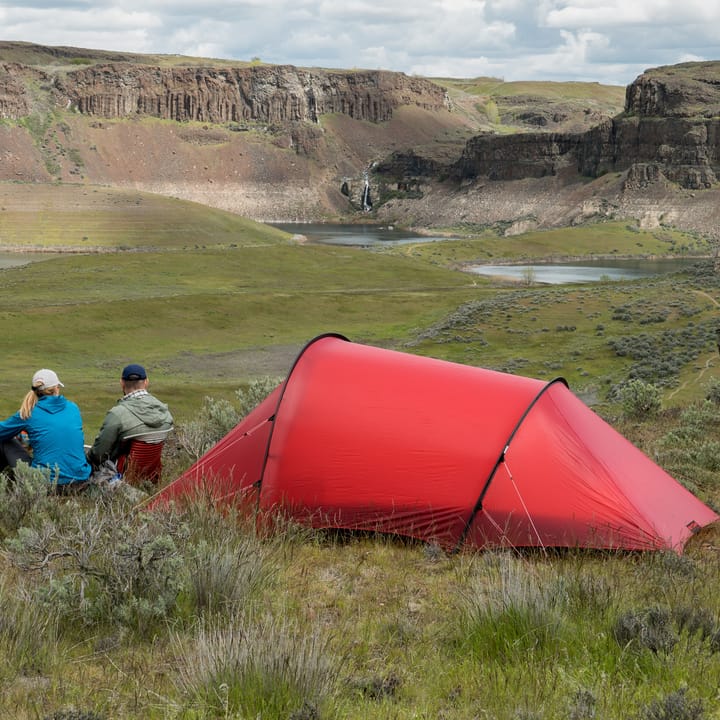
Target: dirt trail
709 362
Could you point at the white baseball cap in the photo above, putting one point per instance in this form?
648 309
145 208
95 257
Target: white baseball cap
44 379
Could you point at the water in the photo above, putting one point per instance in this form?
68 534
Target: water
584 271
551 274
354 235
367 236
10 260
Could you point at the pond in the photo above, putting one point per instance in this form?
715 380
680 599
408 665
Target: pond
584 271
354 235
10 260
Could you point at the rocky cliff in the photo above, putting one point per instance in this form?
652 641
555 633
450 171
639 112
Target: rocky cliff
657 163
688 90
670 128
264 94
15 100
269 142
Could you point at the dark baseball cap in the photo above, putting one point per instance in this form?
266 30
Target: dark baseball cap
134 372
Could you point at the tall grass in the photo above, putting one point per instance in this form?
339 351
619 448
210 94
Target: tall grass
266 667
28 634
225 622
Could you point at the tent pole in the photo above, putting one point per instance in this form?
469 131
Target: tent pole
501 459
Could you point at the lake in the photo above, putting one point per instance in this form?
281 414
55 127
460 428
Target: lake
367 236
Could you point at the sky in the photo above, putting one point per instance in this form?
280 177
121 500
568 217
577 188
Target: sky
605 41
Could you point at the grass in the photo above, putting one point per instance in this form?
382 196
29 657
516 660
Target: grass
88 218
495 87
191 312
202 303
612 239
73 58
373 627
195 616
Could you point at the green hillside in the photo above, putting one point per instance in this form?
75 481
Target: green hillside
110 612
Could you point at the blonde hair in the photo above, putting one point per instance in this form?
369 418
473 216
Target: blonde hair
30 400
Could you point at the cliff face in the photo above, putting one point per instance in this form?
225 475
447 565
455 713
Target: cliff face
686 90
683 151
265 94
670 128
513 157
15 101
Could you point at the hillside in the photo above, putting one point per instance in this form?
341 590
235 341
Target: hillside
655 165
281 143
271 143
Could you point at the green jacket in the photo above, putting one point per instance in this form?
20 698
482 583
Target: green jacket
131 417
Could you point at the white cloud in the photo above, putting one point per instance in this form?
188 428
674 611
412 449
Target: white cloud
610 41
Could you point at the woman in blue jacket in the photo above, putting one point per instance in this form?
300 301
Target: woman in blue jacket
54 429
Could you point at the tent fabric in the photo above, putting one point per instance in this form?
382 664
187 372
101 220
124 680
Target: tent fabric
364 438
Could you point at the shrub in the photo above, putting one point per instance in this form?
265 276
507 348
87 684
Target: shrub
676 706
583 706
713 391
217 417
650 628
696 621
23 497
97 565
214 420
708 455
640 399
255 392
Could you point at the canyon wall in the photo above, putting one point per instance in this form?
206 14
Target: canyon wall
265 94
670 127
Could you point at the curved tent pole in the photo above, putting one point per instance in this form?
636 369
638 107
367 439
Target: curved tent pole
258 483
501 460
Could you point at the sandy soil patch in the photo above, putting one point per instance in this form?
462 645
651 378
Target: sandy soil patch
243 364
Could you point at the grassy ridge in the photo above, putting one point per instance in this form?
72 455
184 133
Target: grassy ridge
98 311
495 87
84 217
71 57
610 239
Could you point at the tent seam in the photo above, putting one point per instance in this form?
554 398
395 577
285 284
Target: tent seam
479 504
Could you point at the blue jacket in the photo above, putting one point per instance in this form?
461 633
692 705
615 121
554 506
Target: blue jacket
56 437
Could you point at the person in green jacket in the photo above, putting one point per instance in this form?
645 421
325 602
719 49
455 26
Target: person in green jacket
137 414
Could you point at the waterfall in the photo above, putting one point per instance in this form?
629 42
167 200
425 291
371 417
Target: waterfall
366 201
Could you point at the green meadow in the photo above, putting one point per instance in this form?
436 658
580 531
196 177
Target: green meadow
108 612
178 286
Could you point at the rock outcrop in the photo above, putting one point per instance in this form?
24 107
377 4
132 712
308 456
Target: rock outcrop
670 126
262 93
15 101
687 90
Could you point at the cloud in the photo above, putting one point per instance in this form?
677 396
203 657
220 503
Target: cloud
610 41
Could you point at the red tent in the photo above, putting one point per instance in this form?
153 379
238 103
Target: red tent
363 438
